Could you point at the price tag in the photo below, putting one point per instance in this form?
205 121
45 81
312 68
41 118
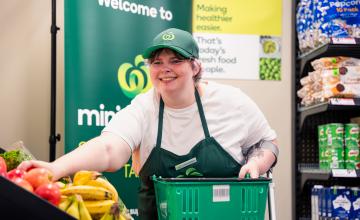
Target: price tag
221 193
345 40
343 173
340 101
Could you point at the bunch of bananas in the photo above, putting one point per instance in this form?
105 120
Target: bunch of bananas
90 196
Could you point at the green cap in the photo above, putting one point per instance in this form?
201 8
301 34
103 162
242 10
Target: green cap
175 39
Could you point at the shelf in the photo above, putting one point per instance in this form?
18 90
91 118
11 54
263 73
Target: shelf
328 50
313 169
331 104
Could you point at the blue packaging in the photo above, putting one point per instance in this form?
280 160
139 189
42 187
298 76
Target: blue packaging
340 205
355 204
315 194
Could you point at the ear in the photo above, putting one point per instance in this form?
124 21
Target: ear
196 68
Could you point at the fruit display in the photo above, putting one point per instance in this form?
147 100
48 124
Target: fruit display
91 196
37 181
14 157
87 196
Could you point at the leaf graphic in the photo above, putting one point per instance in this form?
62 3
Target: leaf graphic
190 170
195 173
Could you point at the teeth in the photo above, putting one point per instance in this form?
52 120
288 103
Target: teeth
167 79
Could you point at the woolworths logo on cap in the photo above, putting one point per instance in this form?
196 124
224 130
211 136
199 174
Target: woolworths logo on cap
168 36
134 79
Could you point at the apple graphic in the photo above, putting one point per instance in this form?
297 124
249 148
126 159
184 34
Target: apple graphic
134 79
49 192
23 183
38 176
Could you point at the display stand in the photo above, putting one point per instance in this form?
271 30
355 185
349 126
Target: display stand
18 203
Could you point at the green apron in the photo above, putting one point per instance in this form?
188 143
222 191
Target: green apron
207 158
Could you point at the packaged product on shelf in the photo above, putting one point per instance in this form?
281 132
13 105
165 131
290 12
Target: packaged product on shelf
341 82
324 195
315 201
318 21
304 17
355 203
340 202
352 156
324 152
335 137
334 62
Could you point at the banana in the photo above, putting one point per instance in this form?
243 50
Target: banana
83 211
83 176
96 207
113 213
64 204
73 209
107 216
101 182
88 192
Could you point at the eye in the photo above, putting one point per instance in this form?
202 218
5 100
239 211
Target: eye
156 62
176 61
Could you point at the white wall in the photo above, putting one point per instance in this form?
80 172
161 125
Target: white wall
25 87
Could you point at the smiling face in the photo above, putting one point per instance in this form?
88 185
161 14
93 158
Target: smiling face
172 75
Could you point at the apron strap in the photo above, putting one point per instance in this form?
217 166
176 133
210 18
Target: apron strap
202 114
160 124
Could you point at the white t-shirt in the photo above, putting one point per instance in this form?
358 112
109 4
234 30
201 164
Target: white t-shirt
233 119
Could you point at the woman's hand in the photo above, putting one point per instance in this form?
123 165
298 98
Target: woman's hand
250 167
30 164
259 162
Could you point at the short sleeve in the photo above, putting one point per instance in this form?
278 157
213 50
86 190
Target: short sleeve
257 126
128 123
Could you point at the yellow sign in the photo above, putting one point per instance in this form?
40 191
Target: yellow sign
255 17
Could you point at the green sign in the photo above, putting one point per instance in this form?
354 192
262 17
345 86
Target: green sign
104 69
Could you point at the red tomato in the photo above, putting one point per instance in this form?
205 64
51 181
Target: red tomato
16 173
23 183
50 192
3 168
38 176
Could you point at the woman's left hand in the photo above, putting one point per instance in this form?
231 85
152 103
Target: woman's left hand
250 167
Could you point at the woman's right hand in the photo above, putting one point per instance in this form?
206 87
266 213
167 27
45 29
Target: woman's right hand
30 164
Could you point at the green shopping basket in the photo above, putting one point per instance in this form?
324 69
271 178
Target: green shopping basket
211 198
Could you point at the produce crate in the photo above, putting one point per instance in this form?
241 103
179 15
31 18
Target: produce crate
211 198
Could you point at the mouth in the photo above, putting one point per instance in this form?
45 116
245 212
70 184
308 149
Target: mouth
167 78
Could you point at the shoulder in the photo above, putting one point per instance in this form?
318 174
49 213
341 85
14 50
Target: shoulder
145 101
222 93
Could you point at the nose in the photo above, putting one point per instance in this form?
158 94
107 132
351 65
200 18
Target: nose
166 68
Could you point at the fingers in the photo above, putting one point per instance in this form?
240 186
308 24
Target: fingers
26 165
251 168
244 170
29 164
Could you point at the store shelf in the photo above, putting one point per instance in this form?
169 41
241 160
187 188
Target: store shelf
313 169
327 50
18 203
331 104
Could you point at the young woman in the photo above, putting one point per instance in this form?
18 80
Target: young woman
181 123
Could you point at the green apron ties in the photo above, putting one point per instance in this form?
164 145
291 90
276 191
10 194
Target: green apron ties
207 158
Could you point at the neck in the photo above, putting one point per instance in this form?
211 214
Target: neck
182 100
178 101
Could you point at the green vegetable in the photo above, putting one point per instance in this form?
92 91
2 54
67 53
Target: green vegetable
14 158
270 69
